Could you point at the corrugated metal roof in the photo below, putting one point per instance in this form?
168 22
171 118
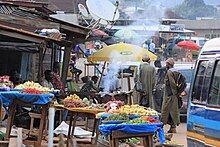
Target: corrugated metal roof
3 27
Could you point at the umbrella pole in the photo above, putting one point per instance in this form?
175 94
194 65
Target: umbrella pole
103 68
121 78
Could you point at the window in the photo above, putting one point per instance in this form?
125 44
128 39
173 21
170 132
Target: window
201 85
207 35
213 36
202 42
187 73
214 97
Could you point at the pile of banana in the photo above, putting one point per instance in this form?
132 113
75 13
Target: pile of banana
137 110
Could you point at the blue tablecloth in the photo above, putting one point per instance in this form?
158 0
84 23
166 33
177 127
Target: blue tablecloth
106 129
7 97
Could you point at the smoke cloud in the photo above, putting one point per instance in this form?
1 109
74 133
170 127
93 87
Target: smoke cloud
146 16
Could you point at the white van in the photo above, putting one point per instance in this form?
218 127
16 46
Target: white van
203 124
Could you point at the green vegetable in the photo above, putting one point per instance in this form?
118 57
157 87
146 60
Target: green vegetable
137 121
122 116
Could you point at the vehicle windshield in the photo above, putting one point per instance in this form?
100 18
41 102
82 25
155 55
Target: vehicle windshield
187 73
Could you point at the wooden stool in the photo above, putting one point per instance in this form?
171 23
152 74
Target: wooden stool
117 135
33 116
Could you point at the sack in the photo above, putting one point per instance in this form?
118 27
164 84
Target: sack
138 86
181 83
180 102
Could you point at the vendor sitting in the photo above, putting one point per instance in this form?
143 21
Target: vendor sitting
48 79
90 85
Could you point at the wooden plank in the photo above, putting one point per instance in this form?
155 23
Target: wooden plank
66 64
74 29
122 134
33 68
21 36
40 65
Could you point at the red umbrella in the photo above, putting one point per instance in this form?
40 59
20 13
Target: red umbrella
99 32
190 45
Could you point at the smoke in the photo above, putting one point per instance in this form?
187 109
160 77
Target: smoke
146 16
110 80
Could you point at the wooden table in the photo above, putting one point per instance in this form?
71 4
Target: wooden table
116 135
12 108
74 113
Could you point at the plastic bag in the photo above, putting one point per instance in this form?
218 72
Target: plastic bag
139 86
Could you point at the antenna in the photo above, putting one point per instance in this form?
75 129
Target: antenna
83 11
103 13
103 9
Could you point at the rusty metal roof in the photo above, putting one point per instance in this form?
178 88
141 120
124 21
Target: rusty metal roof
23 32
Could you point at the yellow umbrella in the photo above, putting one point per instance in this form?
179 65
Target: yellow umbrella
121 52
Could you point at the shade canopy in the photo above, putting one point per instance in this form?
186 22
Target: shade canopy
190 45
121 52
126 34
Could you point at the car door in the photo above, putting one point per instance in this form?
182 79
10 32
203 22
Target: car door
212 117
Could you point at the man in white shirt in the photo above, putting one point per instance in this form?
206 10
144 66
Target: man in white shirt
48 78
152 47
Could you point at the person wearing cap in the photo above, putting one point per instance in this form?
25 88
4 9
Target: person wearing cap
170 111
147 78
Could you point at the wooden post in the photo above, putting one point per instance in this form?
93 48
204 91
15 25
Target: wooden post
66 60
103 68
40 64
33 68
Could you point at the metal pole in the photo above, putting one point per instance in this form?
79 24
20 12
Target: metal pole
51 126
103 68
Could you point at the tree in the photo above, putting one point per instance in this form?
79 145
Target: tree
190 9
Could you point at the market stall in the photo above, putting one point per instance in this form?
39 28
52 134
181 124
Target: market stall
114 118
81 108
27 94
124 121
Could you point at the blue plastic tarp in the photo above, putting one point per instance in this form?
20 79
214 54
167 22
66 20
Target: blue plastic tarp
106 129
7 97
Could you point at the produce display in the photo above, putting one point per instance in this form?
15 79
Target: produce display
73 101
96 106
137 121
150 119
114 106
37 86
173 143
3 87
33 91
122 116
137 110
